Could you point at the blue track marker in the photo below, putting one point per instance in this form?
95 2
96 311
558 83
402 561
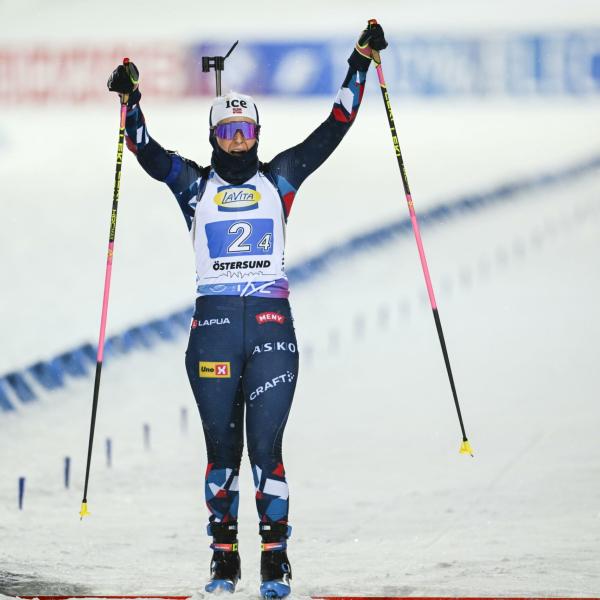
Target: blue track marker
184 419
108 453
21 492
67 472
146 436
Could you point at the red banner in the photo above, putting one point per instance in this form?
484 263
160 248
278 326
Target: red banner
43 74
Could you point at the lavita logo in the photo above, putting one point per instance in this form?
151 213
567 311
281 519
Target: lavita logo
232 198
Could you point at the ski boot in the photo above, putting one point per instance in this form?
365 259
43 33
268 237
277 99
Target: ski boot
275 569
225 568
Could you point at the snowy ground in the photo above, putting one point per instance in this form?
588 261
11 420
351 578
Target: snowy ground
382 503
379 492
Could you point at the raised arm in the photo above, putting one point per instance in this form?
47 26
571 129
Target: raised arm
180 174
291 167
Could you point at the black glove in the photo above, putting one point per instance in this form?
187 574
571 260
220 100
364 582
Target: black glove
124 79
372 38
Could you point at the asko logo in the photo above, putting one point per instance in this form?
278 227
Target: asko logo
270 317
215 370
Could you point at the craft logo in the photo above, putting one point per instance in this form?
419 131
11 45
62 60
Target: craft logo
231 198
270 317
215 370
286 377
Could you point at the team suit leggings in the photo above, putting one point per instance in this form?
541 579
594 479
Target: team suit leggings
242 357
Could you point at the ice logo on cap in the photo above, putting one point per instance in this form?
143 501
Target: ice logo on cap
233 105
236 105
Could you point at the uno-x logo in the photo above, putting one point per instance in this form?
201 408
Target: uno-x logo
214 370
270 317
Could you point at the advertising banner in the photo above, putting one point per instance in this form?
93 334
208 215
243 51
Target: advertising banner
537 64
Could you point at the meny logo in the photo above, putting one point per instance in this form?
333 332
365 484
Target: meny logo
270 317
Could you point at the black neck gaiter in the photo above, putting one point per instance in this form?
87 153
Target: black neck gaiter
234 168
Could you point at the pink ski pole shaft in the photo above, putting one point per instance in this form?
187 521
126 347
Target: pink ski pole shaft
465 447
107 277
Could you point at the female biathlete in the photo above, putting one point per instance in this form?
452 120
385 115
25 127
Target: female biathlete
242 354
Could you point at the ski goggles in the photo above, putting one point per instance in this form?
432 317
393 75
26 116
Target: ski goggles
227 131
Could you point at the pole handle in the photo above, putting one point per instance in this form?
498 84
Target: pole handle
134 76
374 53
132 71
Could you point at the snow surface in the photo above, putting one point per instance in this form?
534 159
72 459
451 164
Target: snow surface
382 503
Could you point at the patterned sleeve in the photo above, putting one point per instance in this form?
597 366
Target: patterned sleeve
291 167
183 176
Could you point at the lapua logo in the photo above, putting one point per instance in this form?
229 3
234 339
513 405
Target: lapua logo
209 322
270 317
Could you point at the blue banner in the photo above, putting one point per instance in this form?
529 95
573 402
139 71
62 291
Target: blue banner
562 63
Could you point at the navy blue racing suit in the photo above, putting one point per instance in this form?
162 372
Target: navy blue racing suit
242 356
247 348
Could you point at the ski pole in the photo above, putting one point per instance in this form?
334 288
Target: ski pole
111 244
465 447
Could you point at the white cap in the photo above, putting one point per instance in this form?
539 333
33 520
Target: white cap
232 105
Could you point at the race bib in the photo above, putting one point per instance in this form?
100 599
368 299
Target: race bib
248 237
